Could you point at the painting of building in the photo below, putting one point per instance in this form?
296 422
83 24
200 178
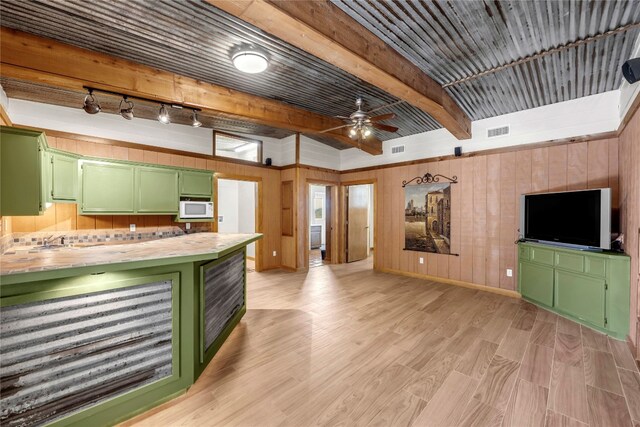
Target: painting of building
428 218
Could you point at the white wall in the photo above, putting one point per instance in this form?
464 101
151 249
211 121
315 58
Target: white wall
228 206
237 206
583 116
314 153
247 211
313 189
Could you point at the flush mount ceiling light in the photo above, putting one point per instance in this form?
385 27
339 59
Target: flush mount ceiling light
126 108
90 105
194 119
163 115
251 61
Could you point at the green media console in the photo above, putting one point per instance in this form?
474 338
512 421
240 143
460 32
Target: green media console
589 287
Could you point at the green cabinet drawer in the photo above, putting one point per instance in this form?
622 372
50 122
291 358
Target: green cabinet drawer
107 188
523 253
157 190
64 178
193 183
580 296
596 266
542 256
536 283
23 185
569 261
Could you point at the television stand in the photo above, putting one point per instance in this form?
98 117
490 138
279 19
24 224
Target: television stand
589 287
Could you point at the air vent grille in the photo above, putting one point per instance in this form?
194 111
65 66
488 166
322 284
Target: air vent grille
397 149
499 131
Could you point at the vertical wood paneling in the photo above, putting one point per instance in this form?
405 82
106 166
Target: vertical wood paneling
466 183
598 164
479 219
443 260
493 221
558 168
507 218
540 170
577 166
456 199
613 171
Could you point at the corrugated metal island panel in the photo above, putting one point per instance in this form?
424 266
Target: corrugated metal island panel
63 355
223 295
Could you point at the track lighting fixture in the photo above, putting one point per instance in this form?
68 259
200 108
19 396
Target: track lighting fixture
90 105
194 119
163 115
126 108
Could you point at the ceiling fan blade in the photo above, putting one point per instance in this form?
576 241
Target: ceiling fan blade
385 106
343 117
335 128
385 128
382 117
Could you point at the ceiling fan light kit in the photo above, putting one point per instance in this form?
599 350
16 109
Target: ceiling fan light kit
361 123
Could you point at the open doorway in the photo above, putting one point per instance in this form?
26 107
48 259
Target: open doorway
237 211
320 229
359 220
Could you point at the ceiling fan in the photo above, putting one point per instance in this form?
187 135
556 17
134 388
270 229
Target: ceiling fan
362 123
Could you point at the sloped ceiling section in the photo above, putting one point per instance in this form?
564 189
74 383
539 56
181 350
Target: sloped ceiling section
195 39
451 40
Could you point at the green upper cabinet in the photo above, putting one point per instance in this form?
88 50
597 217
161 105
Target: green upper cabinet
64 178
23 185
107 188
157 190
196 184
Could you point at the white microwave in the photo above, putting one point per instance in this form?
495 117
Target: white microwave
193 209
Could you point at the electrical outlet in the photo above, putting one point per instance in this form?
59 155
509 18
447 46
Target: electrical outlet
188 226
509 272
421 260
274 253
132 227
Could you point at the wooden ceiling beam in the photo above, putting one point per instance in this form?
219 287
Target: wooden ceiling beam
40 60
323 30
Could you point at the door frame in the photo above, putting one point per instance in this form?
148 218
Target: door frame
334 190
258 207
342 251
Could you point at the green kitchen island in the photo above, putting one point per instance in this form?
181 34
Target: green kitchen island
95 335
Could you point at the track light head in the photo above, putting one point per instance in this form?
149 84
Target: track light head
126 108
194 119
163 115
90 104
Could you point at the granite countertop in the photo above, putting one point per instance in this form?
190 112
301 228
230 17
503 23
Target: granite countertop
190 245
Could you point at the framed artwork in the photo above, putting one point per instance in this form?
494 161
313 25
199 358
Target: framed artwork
318 207
427 218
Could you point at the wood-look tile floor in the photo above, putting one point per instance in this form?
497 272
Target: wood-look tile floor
342 345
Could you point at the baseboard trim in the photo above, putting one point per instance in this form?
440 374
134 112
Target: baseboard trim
504 292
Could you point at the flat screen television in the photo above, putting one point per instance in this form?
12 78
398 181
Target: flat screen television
574 218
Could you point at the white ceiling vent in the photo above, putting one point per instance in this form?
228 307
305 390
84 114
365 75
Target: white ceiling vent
499 131
397 149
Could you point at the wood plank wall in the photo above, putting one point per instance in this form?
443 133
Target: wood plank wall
629 142
485 206
64 217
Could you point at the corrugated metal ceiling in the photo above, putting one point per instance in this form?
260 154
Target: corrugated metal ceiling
194 39
450 40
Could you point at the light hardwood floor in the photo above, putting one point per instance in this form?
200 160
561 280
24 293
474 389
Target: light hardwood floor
342 345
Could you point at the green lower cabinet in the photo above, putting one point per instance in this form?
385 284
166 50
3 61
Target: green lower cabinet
107 188
156 190
580 296
589 287
64 178
536 283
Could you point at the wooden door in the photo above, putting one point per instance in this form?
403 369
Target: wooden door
357 222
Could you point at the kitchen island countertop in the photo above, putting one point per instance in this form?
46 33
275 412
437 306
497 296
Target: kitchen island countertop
189 247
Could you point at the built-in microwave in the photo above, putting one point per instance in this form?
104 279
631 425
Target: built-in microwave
195 209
